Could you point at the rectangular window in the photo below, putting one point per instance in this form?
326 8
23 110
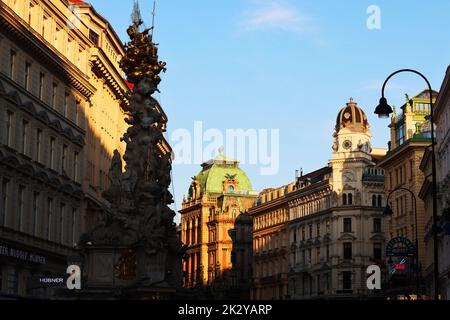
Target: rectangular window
310 231
54 94
75 166
347 224
48 230
101 180
44 23
24 136
27 76
9 128
347 250
400 134
318 229
77 112
64 159
52 152
13 282
376 225
318 255
38 144
347 280
66 104
303 233
377 251
20 205
73 227
41 85
94 37
328 252
12 63
30 13
57 38
62 217
36 197
4 201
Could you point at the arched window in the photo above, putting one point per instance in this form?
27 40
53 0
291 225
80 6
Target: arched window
374 201
344 199
380 200
350 198
230 189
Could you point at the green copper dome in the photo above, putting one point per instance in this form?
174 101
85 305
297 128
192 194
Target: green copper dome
214 173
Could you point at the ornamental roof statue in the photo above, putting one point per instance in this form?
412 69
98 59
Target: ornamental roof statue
141 58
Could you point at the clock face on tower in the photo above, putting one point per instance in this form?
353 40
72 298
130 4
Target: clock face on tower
347 144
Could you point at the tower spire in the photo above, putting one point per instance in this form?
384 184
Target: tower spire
153 16
136 16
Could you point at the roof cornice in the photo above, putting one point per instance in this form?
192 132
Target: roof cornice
41 49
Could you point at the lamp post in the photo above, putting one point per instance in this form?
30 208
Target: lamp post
383 110
388 210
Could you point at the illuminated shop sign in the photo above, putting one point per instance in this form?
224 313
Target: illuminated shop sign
400 247
21 255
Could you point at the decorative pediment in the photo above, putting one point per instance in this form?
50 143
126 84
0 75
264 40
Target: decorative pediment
27 169
324 266
43 116
347 236
326 238
14 97
348 187
69 133
29 107
55 182
56 125
67 188
377 237
42 176
78 194
11 161
2 89
79 139
345 264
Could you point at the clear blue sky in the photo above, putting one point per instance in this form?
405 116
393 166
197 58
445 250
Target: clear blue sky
287 64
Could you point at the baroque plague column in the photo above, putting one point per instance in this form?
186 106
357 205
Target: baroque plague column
134 251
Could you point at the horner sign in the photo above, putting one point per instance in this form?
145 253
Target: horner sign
21 255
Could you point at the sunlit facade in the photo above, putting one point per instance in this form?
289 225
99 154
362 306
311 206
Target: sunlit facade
62 110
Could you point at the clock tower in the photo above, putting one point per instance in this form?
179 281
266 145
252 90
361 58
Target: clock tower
351 154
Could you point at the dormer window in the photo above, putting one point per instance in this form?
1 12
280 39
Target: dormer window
230 189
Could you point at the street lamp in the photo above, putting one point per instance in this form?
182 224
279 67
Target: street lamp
388 211
383 110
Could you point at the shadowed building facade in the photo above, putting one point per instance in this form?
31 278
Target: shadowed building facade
441 114
270 244
62 99
217 229
410 137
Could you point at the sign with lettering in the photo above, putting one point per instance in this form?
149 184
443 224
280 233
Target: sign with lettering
21 255
400 247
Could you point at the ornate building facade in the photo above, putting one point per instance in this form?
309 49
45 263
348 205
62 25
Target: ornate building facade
441 114
336 224
217 229
62 99
410 137
270 244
